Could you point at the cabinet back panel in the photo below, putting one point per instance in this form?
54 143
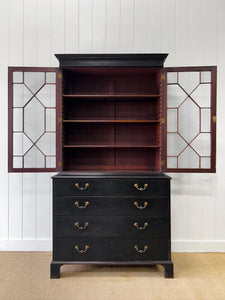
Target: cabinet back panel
139 159
87 159
111 159
75 109
137 134
88 134
140 110
110 81
118 109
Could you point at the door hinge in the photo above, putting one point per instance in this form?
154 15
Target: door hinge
60 75
59 163
214 119
162 162
60 120
163 77
162 120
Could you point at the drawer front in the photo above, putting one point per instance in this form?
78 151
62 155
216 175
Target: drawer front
108 226
125 206
88 249
123 187
145 187
82 187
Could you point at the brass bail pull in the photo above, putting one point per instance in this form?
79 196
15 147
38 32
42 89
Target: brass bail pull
140 250
81 250
81 206
139 206
81 227
141 227
81 188
141 188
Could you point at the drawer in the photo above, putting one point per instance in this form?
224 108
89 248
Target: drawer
82 206
105 226
89 249
102 186
82 186
141 187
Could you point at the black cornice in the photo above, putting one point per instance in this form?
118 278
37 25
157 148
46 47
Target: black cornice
111 60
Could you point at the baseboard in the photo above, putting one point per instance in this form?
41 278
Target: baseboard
198 246
25 245
177 246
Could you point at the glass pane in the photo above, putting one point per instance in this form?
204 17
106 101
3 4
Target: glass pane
47 144
171 120
21 95
47 95
50 77
172 77
175 96
205 120
202 95
188 124
17 162
206 162
34 159
171 162
17 119
202 144
189 80
175 144
34 116
34 80
205 77
18 77
188 159
50 162
20 144
50 119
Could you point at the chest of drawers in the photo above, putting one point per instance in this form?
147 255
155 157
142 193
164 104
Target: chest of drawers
111 219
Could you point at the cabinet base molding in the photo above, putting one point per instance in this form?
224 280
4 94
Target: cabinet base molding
168 266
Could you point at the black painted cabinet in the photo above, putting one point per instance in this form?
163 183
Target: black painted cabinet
117 219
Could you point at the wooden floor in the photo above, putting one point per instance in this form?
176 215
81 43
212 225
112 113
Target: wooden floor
25 275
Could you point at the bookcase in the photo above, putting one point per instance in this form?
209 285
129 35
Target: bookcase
111 124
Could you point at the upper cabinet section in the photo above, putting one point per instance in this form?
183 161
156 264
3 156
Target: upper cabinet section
112 112
191 119
32 119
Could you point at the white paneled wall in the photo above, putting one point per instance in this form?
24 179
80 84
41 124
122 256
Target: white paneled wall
191 31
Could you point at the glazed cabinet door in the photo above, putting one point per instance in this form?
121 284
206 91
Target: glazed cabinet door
34 108
190 119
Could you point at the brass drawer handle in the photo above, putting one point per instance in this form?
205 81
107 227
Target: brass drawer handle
139 227
140 188
141 251
81 188
139 206
81 227
80 250
81 206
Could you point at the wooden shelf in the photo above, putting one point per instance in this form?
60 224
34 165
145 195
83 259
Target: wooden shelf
112 96
111 121
111 146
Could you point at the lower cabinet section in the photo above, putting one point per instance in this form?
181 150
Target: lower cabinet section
114 249
117 219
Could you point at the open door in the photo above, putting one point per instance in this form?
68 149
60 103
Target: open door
34 96
190 119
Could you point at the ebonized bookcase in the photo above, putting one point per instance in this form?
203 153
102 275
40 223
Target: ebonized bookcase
115 123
